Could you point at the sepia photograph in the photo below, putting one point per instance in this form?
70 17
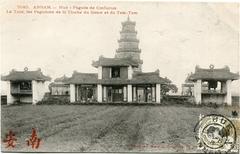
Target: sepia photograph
120 76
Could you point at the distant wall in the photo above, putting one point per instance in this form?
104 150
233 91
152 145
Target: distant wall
218 99
60 90
187 91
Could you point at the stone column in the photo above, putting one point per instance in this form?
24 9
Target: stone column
38 91
158 93
104 93
34 92
134 94
99 72
76 92
223 86
10 98
228 90
153 94
129 91
99 93
110 72
219 85
124 93
198 91
72 93
130 72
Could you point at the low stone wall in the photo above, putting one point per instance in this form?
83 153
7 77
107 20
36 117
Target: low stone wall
55 99
214 99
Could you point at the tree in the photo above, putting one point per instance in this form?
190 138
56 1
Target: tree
169 86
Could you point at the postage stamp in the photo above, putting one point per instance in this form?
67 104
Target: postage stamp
215 133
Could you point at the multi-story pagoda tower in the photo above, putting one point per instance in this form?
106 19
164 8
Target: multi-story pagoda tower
128 43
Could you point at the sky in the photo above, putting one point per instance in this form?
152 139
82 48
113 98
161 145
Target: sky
174 38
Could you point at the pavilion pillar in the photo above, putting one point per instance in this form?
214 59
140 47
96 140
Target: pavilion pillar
198 91
99 72
223 86
110 72
134 94
38 91
129 93
124 93
158 93
99 93
224 90
76 93
72 93
153 94
228 97
130 72
104 93
10 98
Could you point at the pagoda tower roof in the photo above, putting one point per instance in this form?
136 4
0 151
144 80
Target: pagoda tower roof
115 62
128 22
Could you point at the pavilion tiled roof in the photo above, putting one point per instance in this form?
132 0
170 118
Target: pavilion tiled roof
25 76
115 62
83 78
148 78
138 78
213 74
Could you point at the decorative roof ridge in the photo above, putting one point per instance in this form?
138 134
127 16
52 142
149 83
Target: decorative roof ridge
213 74
211 68
26 75
25 70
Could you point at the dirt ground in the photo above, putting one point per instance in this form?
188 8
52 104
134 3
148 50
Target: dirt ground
105 128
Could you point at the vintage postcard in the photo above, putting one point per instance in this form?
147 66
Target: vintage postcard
132 76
